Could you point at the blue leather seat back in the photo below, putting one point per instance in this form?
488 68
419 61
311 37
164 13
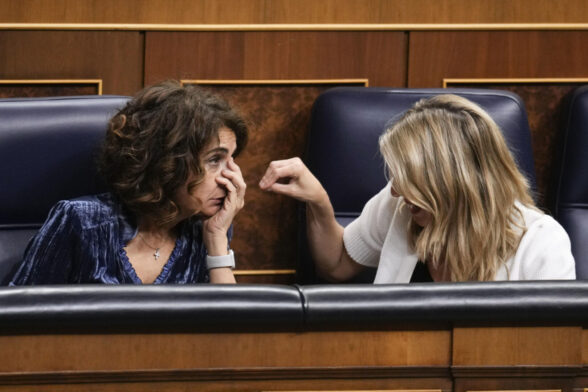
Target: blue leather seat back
346 123
48 151
571 199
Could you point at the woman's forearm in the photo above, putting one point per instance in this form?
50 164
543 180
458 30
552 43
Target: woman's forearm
325 239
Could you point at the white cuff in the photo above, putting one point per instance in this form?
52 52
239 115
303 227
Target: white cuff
221 261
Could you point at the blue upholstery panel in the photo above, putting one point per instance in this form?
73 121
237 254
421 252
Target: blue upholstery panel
571 199
48 150
343 150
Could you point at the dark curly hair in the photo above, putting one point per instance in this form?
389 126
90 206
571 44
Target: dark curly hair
153 145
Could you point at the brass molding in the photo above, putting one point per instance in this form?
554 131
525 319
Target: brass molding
294 26
97 82
518 390
367 390
264 272
365 82
447 81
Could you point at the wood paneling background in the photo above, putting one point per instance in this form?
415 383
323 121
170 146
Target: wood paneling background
435 55
385 55
278 116
116 57
378 56
293 11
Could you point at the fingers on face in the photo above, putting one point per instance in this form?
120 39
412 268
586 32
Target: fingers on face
232 165
227 183
235 186
236 179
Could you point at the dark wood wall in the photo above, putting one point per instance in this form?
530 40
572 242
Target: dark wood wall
230 44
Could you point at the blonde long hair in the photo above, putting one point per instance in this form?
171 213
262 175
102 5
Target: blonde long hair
447 156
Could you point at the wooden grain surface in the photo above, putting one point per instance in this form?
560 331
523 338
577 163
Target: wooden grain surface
434 56
505 346
110 352
115 57
379 57
289 11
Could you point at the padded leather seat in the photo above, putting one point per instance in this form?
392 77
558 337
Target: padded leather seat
571 199
48 148
343 151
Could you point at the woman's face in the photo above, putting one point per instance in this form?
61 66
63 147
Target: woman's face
207 198
419 216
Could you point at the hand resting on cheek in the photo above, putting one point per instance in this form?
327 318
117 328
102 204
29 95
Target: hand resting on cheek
216 226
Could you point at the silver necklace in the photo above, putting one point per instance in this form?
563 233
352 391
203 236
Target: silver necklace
156 254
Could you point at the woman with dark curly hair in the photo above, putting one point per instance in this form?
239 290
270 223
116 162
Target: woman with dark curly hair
175 189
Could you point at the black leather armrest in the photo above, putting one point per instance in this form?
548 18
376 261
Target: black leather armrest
166 308
272 308
343 306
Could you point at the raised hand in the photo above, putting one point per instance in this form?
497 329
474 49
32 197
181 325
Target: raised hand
216 227
292 178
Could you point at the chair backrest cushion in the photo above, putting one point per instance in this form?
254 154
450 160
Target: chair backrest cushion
571 199
48 151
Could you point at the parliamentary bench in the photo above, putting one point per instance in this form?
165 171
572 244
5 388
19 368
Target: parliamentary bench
433 336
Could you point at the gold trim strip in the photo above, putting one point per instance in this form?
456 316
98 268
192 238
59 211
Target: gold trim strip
98 82
365 82
372 390
294 26
513 80
264 272
517 390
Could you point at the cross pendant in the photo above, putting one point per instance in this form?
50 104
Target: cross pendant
156 254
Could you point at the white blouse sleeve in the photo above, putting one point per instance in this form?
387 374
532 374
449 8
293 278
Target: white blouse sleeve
364 237
546 252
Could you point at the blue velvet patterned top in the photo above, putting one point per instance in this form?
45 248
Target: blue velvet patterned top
83 241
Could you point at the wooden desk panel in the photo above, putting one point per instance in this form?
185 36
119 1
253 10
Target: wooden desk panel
116 352
463 359
522 346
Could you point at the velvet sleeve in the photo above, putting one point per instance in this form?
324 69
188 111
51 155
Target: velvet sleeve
49 255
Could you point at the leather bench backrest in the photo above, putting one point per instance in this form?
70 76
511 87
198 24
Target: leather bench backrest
571 200
48 151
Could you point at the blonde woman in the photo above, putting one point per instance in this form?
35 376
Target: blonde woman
456 207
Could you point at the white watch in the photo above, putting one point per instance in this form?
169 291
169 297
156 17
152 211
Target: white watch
221 261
